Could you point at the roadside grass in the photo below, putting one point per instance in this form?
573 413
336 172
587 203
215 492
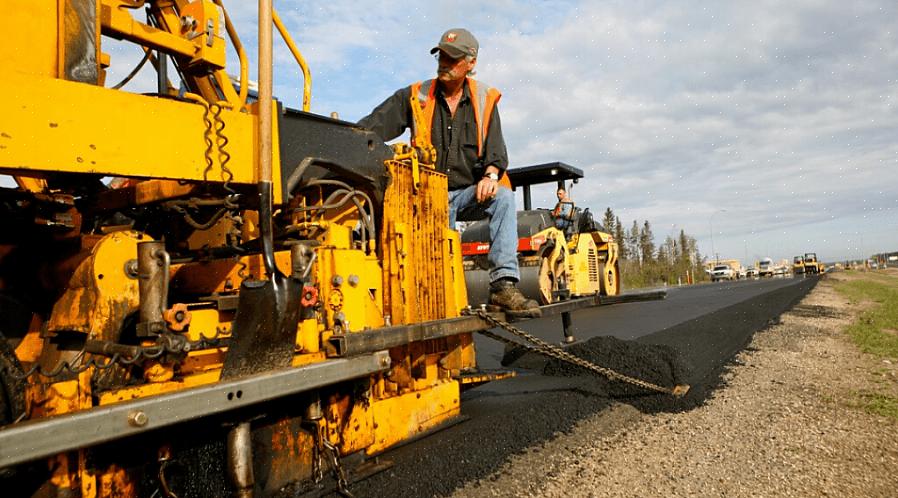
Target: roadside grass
875 403
874 332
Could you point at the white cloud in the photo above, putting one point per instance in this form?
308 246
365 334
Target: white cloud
782 113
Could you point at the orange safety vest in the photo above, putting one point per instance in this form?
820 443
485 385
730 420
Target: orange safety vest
484 99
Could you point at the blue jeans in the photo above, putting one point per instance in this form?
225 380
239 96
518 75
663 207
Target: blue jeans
503 255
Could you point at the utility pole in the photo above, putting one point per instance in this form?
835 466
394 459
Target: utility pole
711 227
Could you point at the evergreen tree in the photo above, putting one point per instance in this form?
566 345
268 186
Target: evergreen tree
608 221
619 237
633 243
684 246
646 242
667 253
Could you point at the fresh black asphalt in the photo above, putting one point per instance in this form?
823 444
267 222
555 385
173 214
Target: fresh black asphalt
688 337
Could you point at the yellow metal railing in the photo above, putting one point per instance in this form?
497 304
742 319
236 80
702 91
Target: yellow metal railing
241 56
306 75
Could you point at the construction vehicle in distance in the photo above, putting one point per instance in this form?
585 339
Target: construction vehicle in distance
798 265
811 265
766 268
259 294
555 264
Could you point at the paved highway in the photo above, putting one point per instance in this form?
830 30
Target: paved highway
633 320
706 324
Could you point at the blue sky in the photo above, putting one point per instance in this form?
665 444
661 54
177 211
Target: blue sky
774 124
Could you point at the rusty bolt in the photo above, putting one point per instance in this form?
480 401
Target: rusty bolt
131 269
138 419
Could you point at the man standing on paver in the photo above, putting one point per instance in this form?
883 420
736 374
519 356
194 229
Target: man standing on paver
465 130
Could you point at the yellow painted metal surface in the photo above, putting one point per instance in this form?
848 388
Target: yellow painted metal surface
350 282
32 24
608 254
583 266
31 184
29 349
401 417
48 399
349 423
414 237
590 263
118 21
454 275
100 130
142 391
114 481
478 378
223 275
100 295
155 190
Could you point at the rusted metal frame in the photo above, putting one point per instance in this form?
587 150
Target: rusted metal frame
41 438
388 337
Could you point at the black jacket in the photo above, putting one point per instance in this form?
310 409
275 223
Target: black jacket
455 138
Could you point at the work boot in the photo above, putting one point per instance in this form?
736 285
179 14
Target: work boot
505 295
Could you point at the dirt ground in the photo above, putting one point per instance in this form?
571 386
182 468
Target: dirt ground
786 422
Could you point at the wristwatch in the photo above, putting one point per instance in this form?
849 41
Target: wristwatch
492 176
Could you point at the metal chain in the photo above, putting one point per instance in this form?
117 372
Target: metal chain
337 467
558 353
317 461
164 345
321 449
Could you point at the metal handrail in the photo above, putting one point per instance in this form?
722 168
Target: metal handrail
306 74
241 55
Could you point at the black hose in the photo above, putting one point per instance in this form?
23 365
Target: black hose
293 179
133 73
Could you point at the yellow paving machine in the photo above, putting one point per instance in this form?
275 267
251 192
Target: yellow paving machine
811 265
202 250
203 292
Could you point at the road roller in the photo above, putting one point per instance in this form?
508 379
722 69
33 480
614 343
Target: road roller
576 260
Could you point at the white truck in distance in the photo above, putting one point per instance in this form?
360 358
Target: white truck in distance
765 268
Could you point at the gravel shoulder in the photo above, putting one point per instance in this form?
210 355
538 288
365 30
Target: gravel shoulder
787 421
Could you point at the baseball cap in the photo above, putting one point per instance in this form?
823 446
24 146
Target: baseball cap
457 43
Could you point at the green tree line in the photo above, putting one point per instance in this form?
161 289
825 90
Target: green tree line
643 264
